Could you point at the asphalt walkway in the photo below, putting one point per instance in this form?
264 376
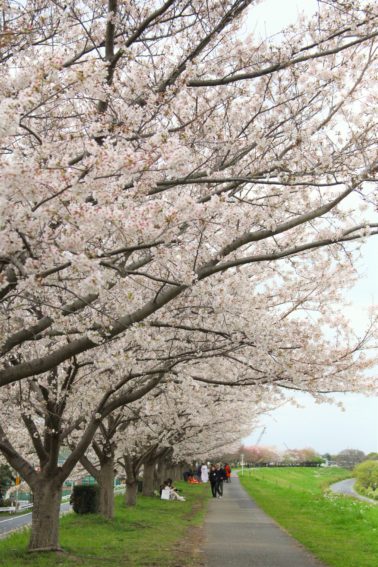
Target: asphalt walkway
239 534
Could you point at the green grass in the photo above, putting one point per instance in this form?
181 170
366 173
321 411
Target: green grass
341 531
151 534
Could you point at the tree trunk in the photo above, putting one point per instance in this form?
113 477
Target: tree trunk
131 493
170 472
47 494
176 471
106 483
148 479
161 473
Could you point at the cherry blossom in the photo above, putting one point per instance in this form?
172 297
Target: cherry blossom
176 201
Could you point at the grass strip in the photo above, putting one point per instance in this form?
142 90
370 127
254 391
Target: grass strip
340 531
154 533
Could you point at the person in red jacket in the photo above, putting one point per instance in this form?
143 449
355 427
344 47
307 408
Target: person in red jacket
227 468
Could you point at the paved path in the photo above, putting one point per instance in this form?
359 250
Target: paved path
239 534
346 487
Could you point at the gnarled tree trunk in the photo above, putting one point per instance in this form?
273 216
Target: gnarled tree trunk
132 470
47 493
176 472
131 493
161 472
149 478
106 484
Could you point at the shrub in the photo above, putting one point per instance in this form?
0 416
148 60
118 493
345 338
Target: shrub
85 499
367 474
6 502
368 492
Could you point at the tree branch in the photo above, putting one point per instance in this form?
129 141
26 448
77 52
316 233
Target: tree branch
278 66
24 469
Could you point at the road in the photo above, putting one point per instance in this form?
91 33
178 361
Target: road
12 523
346 487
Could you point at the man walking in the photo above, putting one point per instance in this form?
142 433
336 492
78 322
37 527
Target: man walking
214 481
221 478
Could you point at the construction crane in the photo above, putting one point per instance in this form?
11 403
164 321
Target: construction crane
260 436
258 441
256 444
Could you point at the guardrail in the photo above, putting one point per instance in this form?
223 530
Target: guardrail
25 505
17 508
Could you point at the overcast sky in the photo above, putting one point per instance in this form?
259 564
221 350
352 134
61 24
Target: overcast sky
270 16
324 427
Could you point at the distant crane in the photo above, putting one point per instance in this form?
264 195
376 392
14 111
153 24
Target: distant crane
257 443
260 436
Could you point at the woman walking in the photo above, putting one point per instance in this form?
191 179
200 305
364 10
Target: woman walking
213 478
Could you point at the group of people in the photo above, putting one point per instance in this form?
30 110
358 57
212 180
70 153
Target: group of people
219 474
216 475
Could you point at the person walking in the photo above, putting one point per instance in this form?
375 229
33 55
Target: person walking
227 468
221 478
213 478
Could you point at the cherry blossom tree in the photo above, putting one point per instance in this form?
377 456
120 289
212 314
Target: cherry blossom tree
173 430
177 422
226 351
260 454
68 405
37 421
252 345
147 149
302 457
158 168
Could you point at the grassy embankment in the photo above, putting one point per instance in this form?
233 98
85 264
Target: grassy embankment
154 533
341 531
